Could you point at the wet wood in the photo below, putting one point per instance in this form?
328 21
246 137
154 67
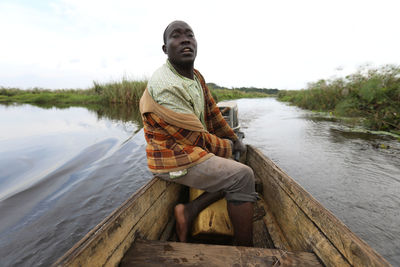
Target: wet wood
157 253
261 237
145 214
274 230
306 224
213 220
169 229
273 233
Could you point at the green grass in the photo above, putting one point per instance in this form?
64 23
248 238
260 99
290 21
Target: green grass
44 96
372 94
124 91
52 98
117 92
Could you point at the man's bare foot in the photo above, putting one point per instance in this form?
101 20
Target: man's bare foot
182 223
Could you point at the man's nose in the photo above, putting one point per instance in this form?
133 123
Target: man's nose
185 40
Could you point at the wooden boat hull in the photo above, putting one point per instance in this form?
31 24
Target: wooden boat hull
294 219
305 224
144 215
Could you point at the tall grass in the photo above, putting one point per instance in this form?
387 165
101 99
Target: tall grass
123 92
45 96
373 94
119 92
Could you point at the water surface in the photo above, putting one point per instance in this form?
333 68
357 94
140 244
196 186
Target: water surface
62 171
346 171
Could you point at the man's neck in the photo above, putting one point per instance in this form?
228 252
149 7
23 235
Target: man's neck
186 70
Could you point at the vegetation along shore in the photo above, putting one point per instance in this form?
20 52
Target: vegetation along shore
370 96
119 92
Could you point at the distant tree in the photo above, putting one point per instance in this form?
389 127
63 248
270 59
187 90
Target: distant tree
270 91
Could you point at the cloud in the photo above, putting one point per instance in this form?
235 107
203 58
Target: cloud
282 44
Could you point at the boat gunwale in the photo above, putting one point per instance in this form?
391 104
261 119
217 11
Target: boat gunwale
349 245
85 242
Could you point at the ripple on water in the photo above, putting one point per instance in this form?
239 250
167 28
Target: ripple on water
347 171
95 166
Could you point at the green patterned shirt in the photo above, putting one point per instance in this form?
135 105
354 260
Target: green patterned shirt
176 92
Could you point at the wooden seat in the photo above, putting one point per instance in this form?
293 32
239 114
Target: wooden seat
159 253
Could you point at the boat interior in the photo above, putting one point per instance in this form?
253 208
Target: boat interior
211 241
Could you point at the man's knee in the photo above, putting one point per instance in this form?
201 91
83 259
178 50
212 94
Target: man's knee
247 173
244 187
245 178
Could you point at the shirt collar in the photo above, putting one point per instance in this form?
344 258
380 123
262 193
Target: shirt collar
169 65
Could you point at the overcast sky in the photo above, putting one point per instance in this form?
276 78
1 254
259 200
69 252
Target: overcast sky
273 44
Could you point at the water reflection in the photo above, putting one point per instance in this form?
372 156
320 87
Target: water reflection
62 170
125 113
118 112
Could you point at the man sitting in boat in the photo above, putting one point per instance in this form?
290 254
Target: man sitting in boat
188 140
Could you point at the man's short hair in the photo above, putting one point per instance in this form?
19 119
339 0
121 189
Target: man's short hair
165 31
164 35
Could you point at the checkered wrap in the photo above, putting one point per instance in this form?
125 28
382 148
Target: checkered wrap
171 148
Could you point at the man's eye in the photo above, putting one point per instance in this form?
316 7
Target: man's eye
191 35
175 35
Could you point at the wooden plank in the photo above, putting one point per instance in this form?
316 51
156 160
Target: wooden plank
261 237
212 220
150 226
114 233
157 253
169 229
307 225
273 228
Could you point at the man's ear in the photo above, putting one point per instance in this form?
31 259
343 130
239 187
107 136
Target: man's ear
164 48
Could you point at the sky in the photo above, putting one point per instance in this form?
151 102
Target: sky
269 44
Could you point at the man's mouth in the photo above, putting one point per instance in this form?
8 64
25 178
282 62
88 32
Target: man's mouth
187 49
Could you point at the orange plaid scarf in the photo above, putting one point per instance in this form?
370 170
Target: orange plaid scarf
176 141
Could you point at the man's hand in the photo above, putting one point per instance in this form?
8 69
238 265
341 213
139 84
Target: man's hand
239 146
231 143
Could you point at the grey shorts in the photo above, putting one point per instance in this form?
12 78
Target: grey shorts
220 174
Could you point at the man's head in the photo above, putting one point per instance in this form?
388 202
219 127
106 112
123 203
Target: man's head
180 44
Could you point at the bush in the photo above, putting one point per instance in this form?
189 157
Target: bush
371 93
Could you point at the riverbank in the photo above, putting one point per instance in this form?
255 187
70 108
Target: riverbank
118 92
369 97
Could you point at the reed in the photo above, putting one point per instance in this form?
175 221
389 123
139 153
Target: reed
370 93
123 92
116 92
45 96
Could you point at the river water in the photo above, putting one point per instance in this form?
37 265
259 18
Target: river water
64 170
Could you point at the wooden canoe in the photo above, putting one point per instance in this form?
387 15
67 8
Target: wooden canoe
291 228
